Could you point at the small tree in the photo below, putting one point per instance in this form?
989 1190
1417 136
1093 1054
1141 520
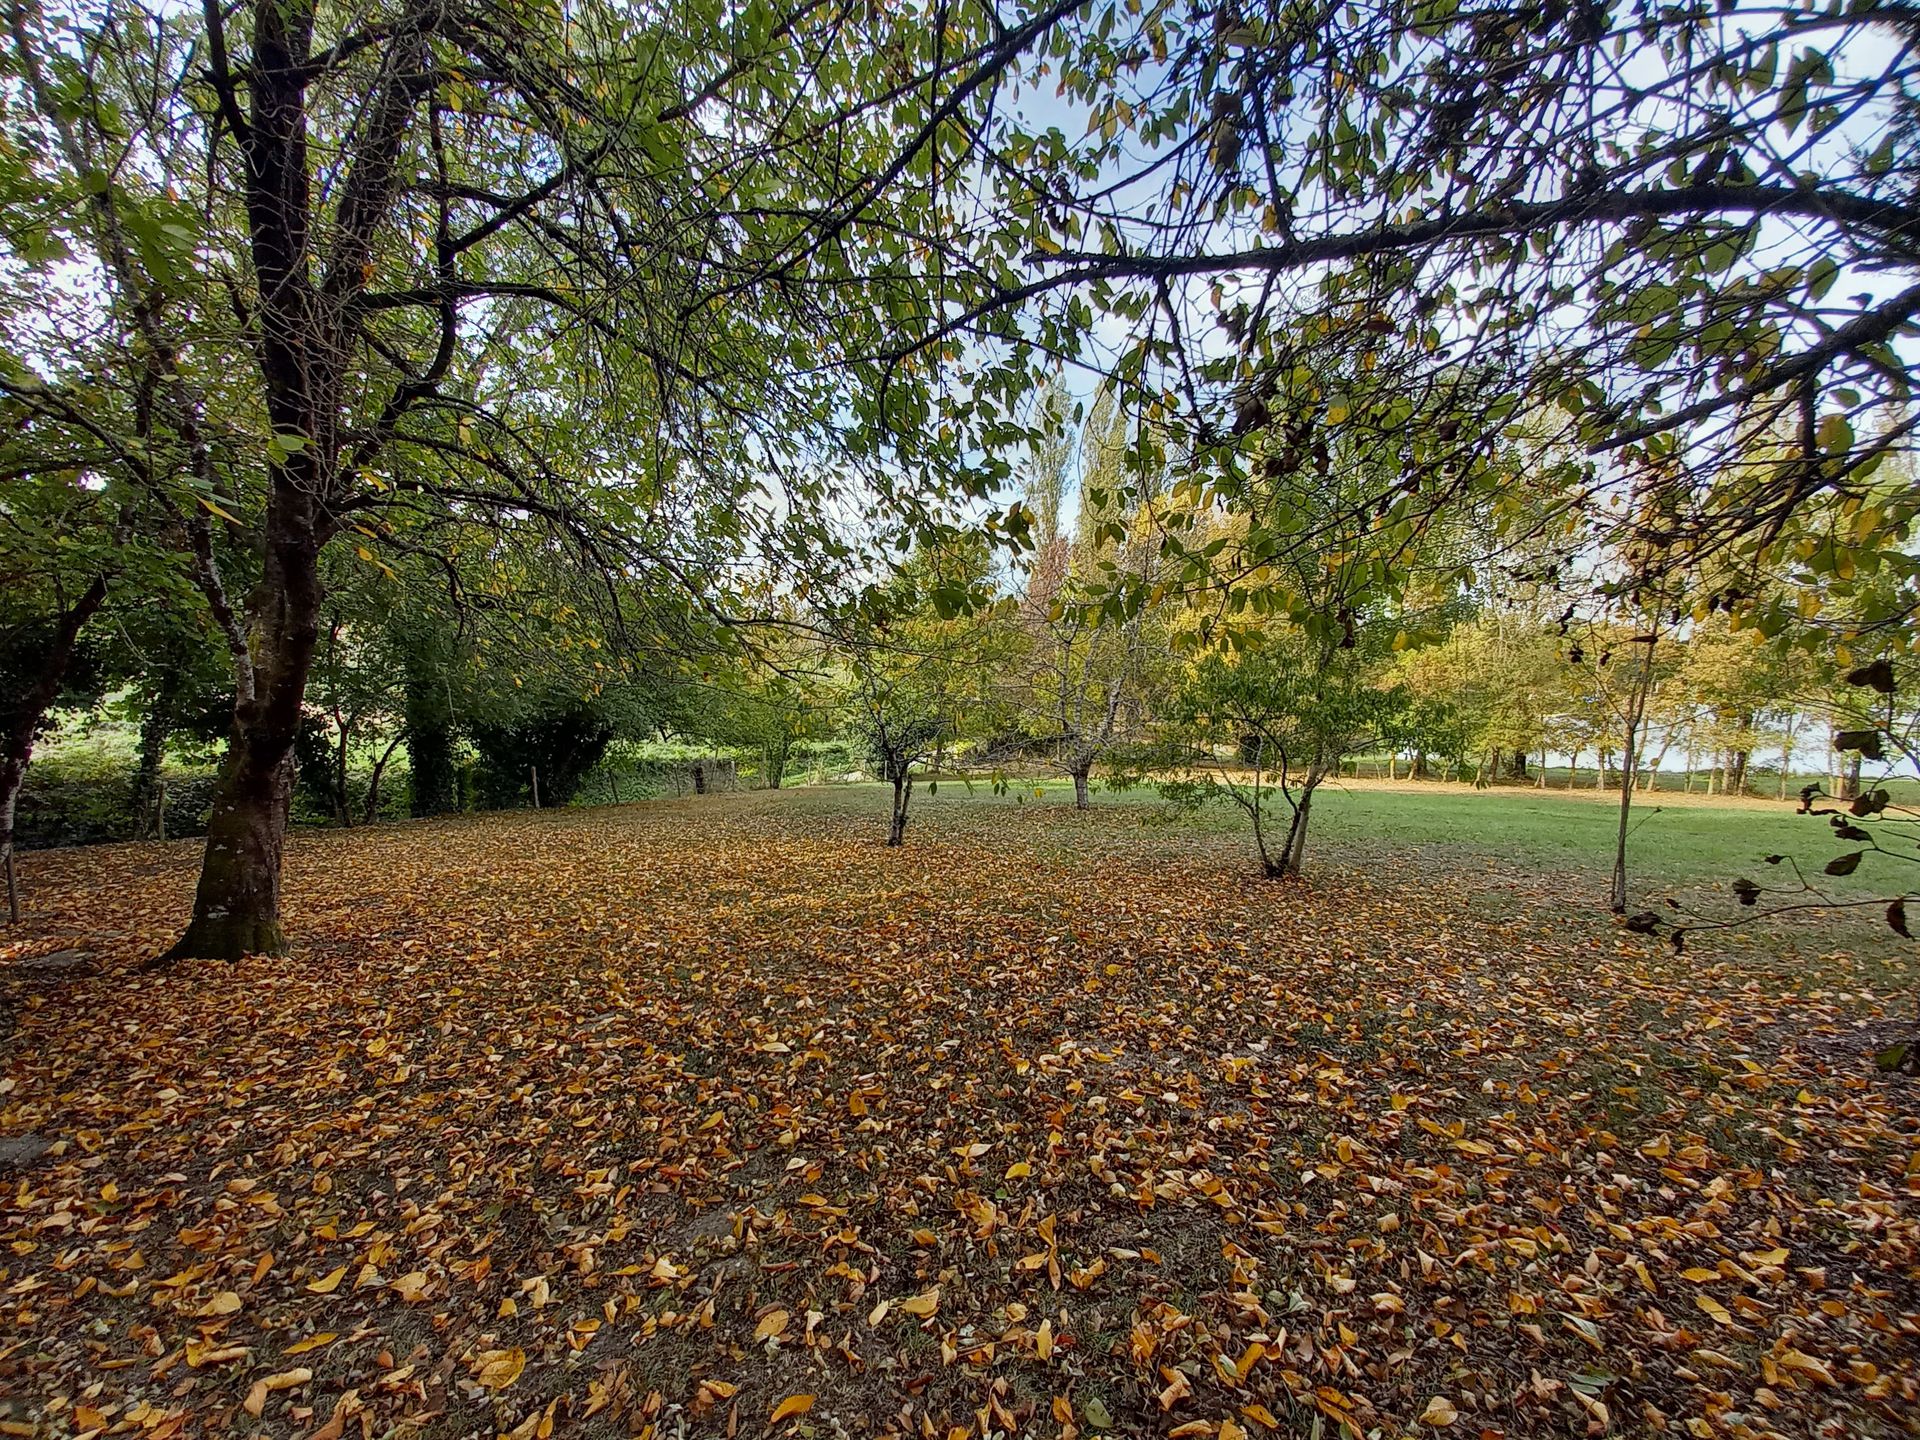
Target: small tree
921 651
1293 709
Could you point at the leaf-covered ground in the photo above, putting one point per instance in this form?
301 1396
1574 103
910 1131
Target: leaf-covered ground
713 1117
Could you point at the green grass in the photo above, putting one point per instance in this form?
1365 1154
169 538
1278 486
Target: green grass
1677 844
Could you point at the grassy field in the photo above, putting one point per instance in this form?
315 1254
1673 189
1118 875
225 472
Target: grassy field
1691 846
716 1117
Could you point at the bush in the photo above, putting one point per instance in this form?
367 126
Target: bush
86 798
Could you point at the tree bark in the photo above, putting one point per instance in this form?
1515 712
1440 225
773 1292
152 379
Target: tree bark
1294 856
902 796
1636 712
236 908
1080 788
1737 772
776 760
371 811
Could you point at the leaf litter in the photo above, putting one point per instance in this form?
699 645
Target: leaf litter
721 1118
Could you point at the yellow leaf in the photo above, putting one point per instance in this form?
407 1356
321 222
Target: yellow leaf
1807 1365
923 1305
327 1284
1043 1340
1439 1412
1699 1274
500 1368
206 1352
1019 1170
257 1397
312 1342
411 1287
788 1408
1714 1308
225 1303
774 1322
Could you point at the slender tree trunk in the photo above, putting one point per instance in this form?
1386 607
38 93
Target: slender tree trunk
1573 769
26 712
1295 854
372 810
1629 760
155 727
902 796
1258 813
1080 788
1419 770
1850 776
342 804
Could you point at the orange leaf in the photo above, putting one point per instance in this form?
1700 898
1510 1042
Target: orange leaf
788 1408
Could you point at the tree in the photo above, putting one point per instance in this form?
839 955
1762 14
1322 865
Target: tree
1292 709
1080 682
920 655
1660 230
472 259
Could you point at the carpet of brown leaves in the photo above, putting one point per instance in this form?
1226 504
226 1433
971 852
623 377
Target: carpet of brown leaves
717 1117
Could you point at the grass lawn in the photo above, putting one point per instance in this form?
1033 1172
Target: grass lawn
716 1117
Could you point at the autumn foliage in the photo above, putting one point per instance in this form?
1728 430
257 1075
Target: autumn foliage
725 1118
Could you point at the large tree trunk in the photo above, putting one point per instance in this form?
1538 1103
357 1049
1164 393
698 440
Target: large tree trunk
236 910
1080 788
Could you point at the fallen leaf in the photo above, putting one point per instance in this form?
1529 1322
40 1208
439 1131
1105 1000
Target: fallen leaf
329 1282
1439 1412
788 1408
